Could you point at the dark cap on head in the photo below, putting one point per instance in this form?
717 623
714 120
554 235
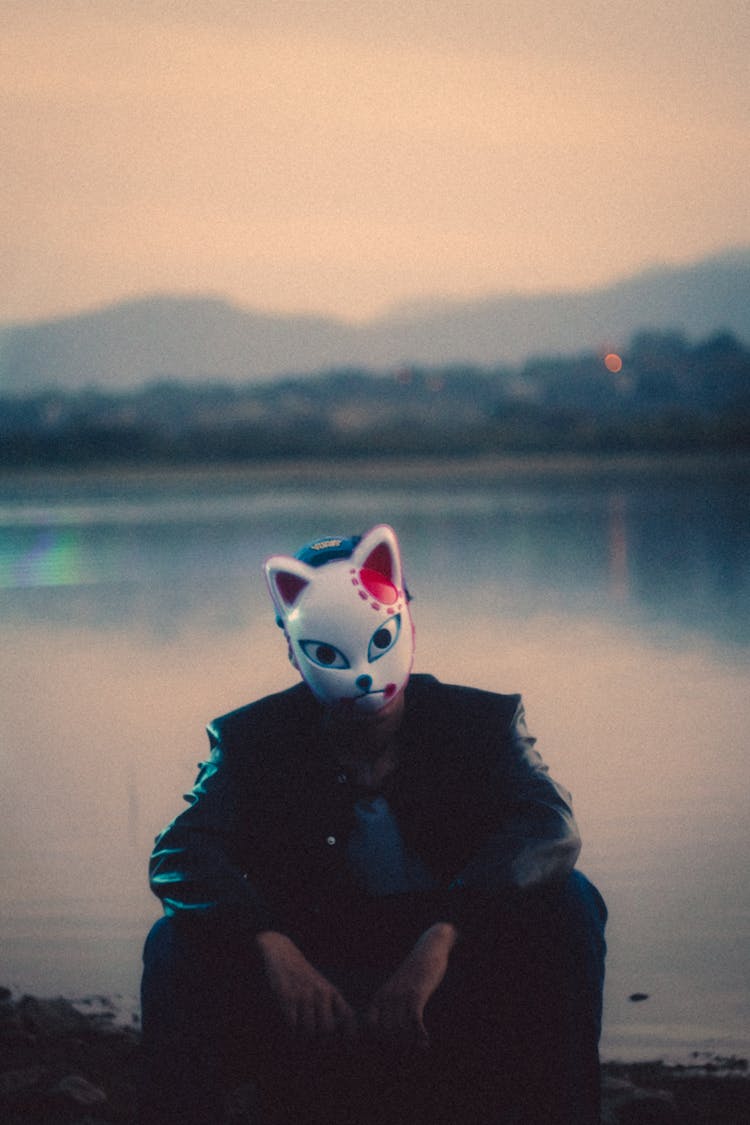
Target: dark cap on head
328 548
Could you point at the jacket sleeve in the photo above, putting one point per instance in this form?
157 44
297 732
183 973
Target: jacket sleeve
195 867
531 836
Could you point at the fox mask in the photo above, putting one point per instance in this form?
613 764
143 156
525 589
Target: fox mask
347 621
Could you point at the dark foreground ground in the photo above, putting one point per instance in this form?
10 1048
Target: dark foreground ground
64 1065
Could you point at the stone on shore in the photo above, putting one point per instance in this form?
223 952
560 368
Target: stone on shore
624 1103
76 1064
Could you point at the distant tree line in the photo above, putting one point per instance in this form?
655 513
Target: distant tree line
661 394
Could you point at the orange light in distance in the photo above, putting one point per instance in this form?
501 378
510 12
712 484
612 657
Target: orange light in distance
613 362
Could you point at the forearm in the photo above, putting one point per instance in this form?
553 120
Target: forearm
397 1009
538 843
199 862
273 944
307 1002
439 939
532 837
193 872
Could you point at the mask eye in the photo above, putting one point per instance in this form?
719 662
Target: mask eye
384 638
324 655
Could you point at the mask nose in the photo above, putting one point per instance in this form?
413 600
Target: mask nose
364 683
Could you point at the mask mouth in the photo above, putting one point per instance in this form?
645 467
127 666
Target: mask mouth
366 690
358 704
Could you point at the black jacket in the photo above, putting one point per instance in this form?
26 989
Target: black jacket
263 843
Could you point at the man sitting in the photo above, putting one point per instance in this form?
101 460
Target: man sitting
371 907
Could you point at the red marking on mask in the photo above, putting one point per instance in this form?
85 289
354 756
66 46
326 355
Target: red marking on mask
380 560
379 587
389 691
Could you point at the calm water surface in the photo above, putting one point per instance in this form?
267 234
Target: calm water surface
132 612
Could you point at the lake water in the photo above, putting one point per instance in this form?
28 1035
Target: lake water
133 610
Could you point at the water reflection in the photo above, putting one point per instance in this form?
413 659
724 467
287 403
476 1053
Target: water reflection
620 610
657 555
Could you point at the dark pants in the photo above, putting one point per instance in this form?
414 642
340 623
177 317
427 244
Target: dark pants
514 1027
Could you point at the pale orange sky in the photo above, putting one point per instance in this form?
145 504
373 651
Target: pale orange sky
341 157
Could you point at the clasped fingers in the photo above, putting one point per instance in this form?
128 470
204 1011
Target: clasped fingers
316 1009
396 1016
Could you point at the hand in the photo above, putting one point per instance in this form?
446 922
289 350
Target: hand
396 1013
308 1003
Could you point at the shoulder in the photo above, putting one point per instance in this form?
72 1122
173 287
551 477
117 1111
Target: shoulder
277 714
457 703
466 734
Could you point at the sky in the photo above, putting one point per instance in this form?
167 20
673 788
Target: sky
345 157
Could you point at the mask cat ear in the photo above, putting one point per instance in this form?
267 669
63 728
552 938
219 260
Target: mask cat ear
378 551
287 579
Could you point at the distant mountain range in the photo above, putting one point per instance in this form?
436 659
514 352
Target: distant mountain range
206 339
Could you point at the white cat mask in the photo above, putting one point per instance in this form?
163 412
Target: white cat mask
348 620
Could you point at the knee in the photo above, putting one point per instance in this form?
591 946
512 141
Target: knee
580 920
175 940
582 900
573 917
163 946
185 983
161 964
563 925
158 938
175 960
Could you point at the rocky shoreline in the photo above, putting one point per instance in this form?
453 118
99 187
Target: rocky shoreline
75 1063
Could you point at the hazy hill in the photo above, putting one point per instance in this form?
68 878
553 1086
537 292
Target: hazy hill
200 338
669 396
